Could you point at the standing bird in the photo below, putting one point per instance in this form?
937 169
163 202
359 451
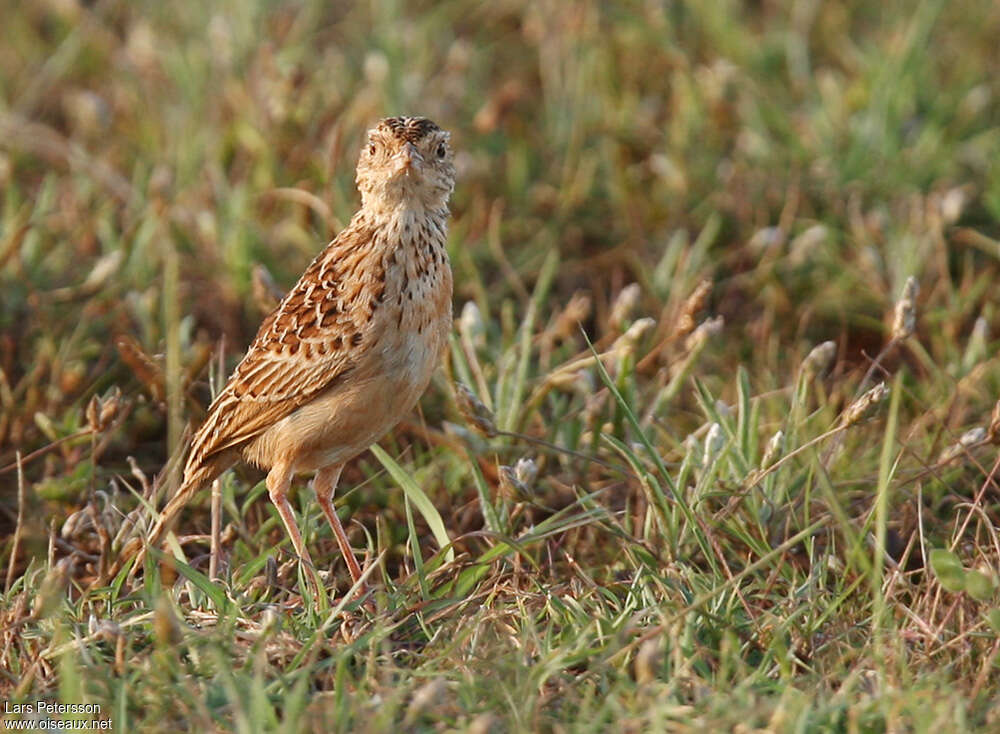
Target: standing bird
351 348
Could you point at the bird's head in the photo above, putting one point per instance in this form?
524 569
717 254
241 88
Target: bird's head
406 162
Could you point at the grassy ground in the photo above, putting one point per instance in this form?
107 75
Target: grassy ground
717 525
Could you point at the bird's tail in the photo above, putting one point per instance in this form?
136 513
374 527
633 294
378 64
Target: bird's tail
165 520
193 481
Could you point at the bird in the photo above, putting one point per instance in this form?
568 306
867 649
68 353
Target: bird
350 348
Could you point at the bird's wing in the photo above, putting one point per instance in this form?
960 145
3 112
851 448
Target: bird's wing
311 341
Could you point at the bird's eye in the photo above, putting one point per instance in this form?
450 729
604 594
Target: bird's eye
371 149
441 150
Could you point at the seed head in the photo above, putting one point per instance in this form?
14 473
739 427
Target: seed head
512 487
706 330
470 324
628 341
861 407
625 305
526 471
694 303
102 411
952 205
775 447
568 321
693 450
714 442
972 437
476 414
905 321
818 360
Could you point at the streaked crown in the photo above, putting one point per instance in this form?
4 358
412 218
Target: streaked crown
409 129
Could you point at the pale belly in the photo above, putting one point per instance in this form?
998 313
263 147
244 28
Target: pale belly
356 413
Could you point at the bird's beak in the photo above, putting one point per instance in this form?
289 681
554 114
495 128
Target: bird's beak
408 160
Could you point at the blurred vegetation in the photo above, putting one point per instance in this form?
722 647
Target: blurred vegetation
767 174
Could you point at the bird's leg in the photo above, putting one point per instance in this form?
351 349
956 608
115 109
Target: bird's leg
325 485
278 481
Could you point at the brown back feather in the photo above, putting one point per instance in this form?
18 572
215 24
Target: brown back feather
300 351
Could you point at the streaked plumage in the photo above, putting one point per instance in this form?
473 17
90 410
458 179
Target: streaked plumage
353 344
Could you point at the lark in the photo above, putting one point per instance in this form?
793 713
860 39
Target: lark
351 347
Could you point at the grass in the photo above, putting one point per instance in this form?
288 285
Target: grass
684 517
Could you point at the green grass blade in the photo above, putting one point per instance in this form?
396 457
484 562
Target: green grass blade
213 591
418 498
